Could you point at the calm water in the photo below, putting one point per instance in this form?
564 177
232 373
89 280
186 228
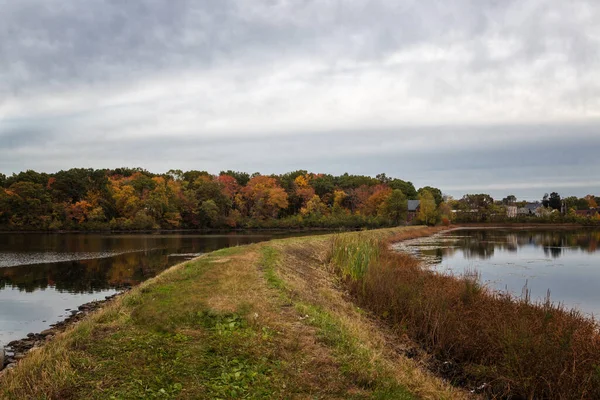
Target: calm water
44 276
565 262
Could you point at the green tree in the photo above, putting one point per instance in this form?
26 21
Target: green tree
509 200
323 185
242 178
554 201
407 188
209 212
29 205
427 209
27 176
347 181
396 207
571 202
437 194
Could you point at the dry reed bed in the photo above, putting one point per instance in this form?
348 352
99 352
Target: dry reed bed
513 348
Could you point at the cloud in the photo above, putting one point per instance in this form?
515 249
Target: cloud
438 92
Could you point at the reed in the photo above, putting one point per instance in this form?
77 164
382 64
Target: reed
510 347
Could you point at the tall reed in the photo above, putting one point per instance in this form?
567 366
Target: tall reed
519 349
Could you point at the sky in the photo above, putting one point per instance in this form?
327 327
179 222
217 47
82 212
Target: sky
471 96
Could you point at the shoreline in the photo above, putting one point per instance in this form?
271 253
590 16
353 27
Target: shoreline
475 225
198 231
16 350
128 340
297 263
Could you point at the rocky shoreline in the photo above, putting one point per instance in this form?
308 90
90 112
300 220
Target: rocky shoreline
16 350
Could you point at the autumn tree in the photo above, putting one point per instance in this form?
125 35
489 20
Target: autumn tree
427 209
375 203
591 200
303 190
162 202
444 211
314 207
127 201
241 178
229 185
339 196
264 197
78 211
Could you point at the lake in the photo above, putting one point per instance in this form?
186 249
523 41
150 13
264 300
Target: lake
565 262
45 276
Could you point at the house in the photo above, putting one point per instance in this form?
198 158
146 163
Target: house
414 207
511 211
530 209
587 213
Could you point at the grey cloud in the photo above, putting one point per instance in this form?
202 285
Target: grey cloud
81 53
53 42
510 166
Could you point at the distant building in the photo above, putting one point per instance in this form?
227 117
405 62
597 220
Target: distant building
413 209
590 212
530 209
511 211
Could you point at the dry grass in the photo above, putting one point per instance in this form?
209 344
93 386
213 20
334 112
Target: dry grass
305 270
214 327
520 350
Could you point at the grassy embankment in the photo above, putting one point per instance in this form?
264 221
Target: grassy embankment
267 320
518 349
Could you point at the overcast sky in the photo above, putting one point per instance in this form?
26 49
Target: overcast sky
467 95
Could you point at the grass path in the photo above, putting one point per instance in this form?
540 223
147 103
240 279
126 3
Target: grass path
261 321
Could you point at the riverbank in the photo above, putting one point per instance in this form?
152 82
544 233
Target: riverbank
267 320
506 347
16 350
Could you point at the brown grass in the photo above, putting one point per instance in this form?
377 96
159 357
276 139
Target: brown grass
518 349
304 268
212 325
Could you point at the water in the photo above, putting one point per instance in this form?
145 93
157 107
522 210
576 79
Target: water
45 276
565 262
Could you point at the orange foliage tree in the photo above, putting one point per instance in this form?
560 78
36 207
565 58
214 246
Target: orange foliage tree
263 197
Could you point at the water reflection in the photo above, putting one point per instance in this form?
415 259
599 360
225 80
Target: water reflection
41 275
481 244
566 262
87 263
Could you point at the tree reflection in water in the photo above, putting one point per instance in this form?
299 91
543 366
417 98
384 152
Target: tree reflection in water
138 258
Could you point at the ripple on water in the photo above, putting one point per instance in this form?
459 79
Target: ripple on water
13 259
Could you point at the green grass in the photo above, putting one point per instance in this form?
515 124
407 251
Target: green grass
166 343
356 361
352 254
226 325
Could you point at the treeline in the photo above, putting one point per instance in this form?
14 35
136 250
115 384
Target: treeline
551 208
135 199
